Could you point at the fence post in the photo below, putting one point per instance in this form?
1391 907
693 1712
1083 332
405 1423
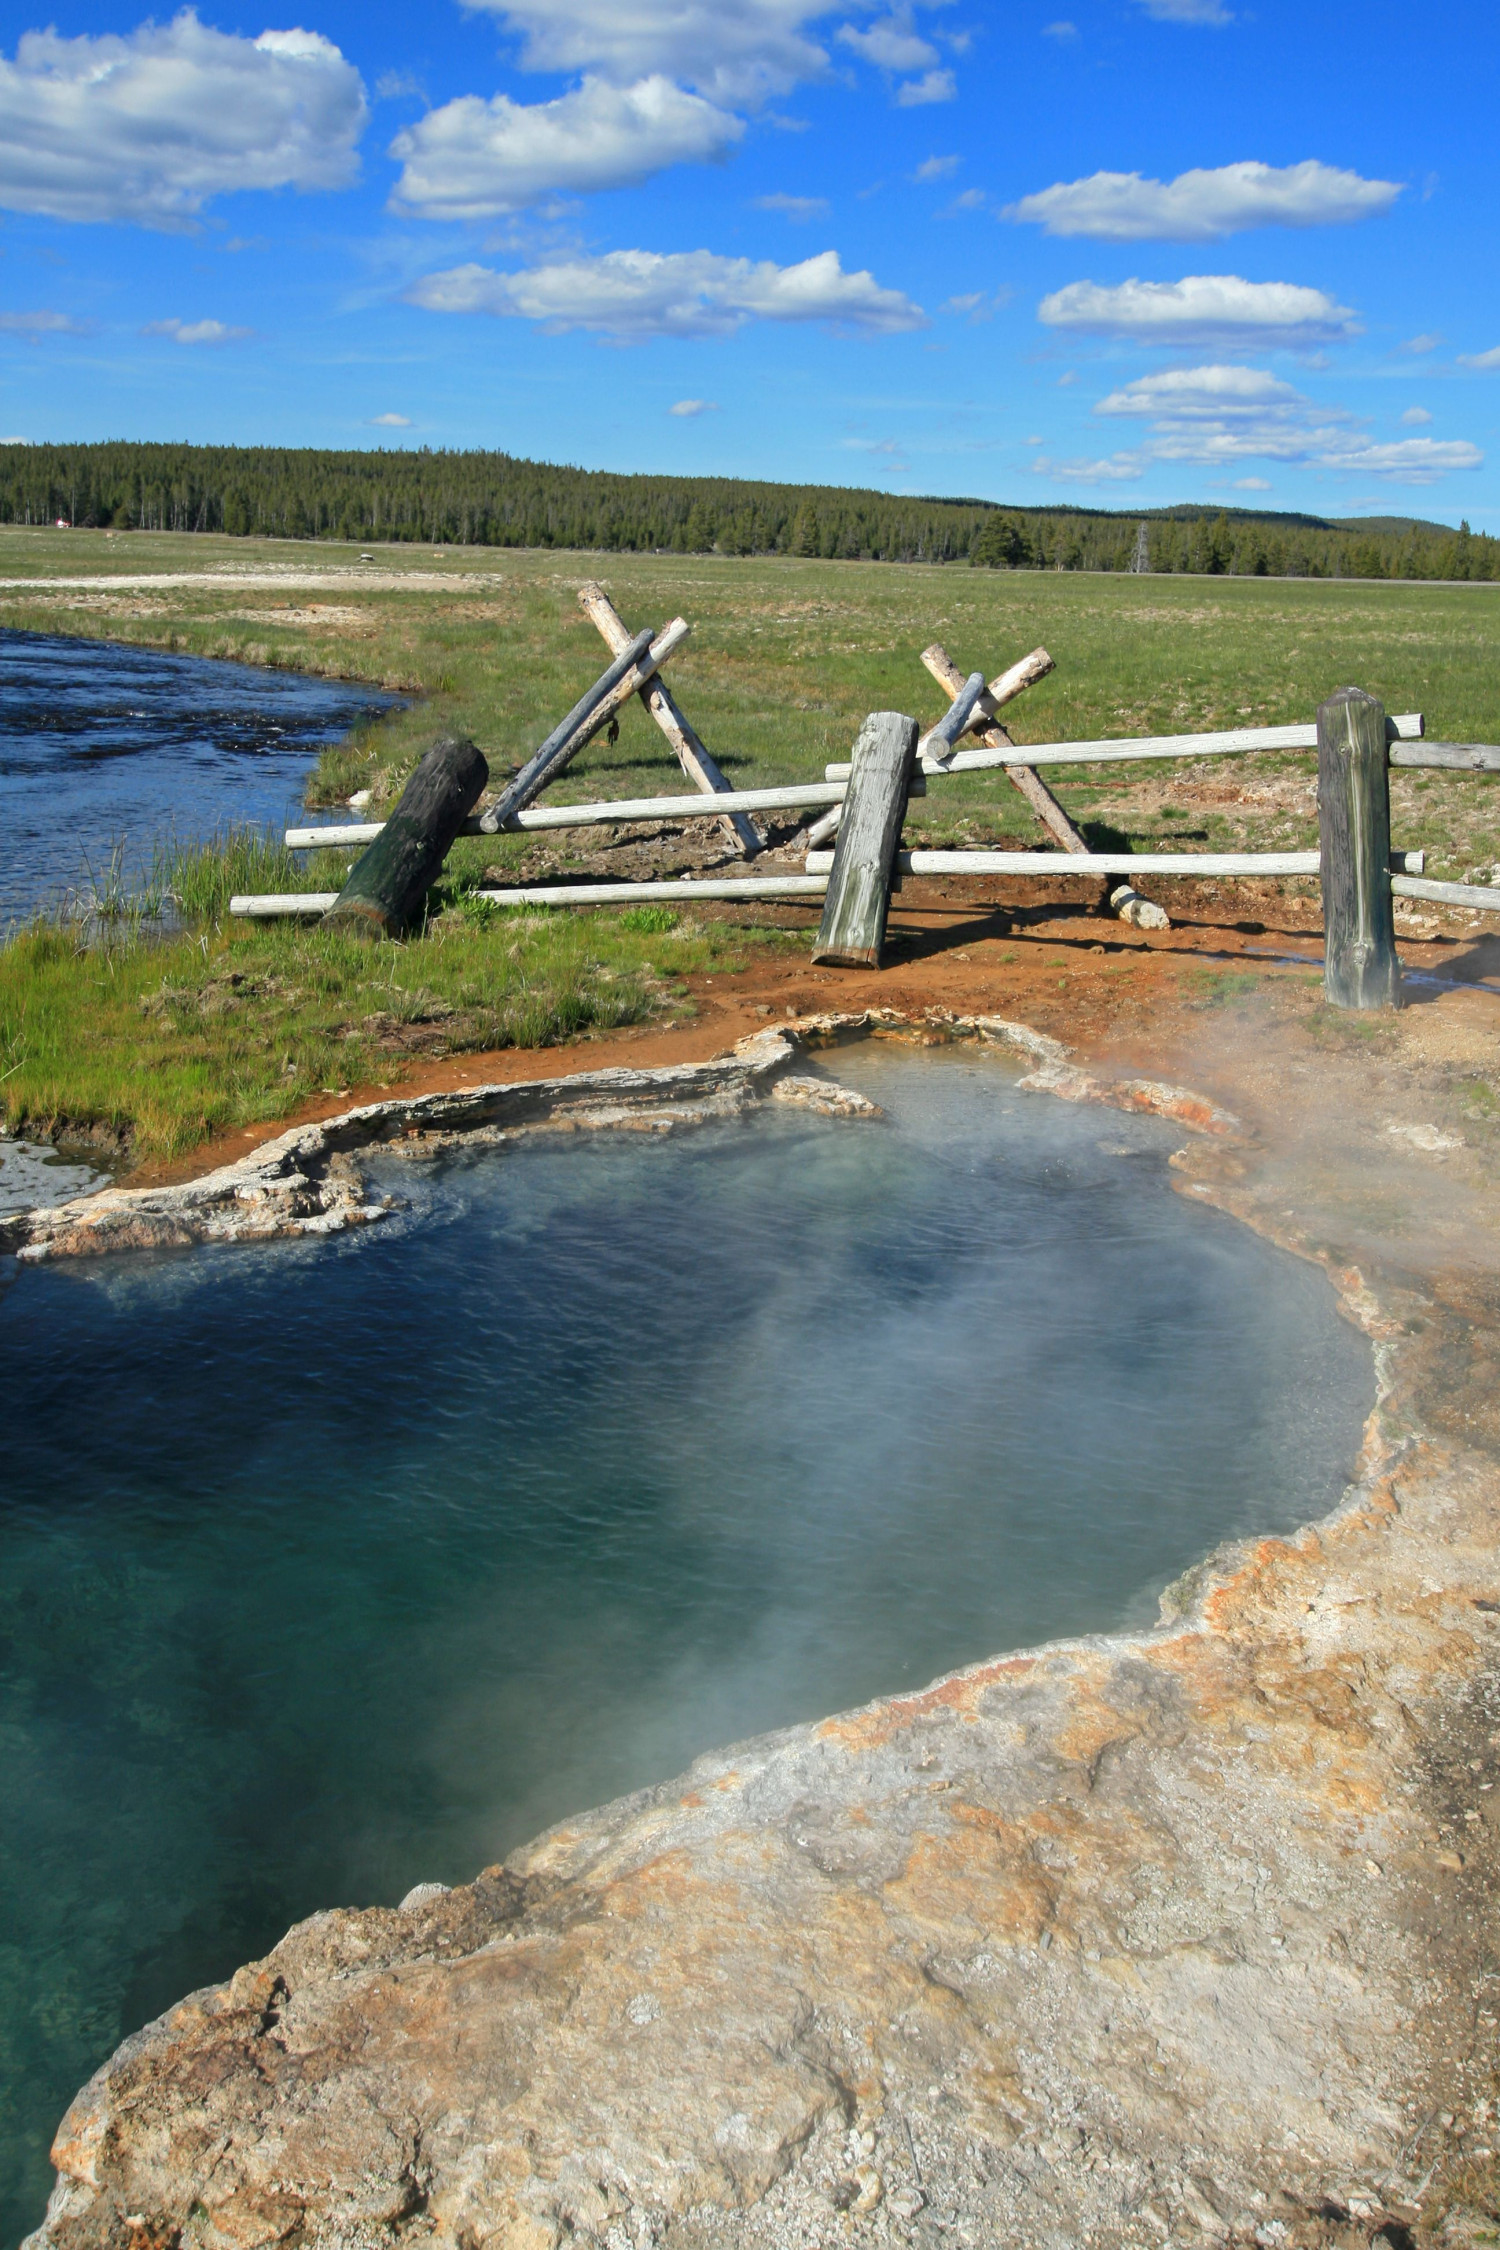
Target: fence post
1360 967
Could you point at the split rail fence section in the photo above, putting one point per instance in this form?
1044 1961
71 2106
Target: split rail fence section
862 803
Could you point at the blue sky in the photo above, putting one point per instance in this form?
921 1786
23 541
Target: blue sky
1119 252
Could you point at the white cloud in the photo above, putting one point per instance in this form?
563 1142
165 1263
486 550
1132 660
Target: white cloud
390 422
149 125
1418 345
1252 484
196 331
934 86
472 159
1484 362
1191 393
936 168
1188 11
688 409
743 53
890 45
1415 416
798 208
635 294
36 324
1121 468
1218 415
1204 206
1203 307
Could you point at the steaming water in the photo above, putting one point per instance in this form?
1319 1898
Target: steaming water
100 743
328 1568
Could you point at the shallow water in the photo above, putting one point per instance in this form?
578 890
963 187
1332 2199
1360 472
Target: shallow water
327 1568
100 743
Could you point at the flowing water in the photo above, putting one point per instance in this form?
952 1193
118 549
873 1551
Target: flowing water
327 1568
102 745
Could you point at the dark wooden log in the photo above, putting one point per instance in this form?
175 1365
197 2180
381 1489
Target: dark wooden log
1360 966
389 883
852 930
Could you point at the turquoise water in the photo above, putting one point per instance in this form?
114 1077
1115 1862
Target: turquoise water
327 1568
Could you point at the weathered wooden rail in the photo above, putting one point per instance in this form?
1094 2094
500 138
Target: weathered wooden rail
863 802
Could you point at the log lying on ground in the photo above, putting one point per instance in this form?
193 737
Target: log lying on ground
1115 750
592 712
658 699
852 930
388 885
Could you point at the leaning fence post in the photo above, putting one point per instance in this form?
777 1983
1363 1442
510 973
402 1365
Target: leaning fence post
1360 967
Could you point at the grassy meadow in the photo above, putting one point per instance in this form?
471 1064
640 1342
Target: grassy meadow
786 658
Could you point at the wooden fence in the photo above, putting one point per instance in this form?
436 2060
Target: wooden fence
862 802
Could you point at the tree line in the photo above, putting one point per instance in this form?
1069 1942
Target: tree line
495 500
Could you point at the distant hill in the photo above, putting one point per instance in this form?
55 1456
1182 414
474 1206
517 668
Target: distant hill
497 500
1393 524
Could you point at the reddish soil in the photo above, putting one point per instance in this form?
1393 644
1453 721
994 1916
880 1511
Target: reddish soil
973 947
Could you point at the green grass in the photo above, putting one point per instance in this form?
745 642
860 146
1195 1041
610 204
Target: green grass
167 1041
785 659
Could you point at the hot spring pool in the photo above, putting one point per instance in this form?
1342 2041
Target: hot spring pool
328 1567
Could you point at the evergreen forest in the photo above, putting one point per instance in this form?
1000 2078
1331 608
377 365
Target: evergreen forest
476 499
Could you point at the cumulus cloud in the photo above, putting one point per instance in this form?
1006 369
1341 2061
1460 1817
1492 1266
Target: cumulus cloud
148 125
933 86
1217 415
1415 416
1204 206
473 159
688 409
741 54
37 324
390 422
1252 484
632 295
196 331
798 208
936 168
1201 308
1485 362
890 44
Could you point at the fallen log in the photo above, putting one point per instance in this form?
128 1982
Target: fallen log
388 885
658 699
852 930
609 694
